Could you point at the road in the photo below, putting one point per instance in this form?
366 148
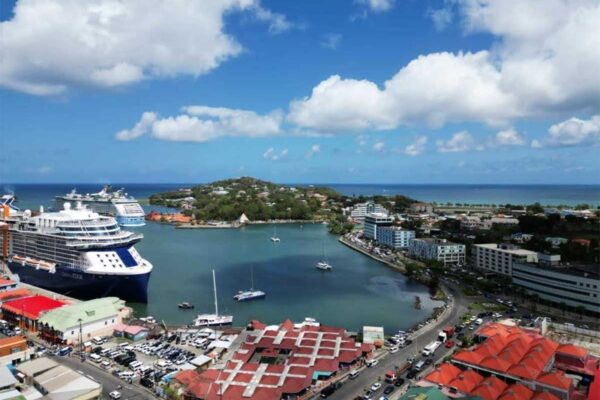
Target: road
353 388
108 381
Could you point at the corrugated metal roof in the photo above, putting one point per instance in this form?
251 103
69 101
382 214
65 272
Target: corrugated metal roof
68 316
34 367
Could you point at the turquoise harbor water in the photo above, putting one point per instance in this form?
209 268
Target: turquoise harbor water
359 291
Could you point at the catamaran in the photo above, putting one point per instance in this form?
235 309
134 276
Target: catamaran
323 264
213 319
247 295
275 238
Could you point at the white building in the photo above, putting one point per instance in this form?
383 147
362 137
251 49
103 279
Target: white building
470 223
492 257
96 317
394 237
439 250
360 211
375 221
571 286
488 223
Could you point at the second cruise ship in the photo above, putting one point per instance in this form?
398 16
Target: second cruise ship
118 204
75 251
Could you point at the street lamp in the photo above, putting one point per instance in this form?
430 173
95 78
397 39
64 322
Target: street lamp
80 336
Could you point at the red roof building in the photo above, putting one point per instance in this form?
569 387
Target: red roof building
304 354
25 311
515 354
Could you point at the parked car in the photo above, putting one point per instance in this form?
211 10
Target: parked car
115 394
376 386
449 344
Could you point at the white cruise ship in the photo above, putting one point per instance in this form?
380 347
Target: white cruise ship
124 208
75 251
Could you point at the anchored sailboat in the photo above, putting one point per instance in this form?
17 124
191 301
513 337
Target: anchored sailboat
213 319
247 295
323 264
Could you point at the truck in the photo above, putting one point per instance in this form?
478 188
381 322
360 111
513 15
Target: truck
431 348
449 331
442 337
390 376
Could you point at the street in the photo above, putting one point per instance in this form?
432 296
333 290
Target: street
108 381
357 387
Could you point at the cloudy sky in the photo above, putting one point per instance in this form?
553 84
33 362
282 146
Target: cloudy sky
390 91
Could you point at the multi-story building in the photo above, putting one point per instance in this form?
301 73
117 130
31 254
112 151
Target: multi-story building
374 222
499 258
360 211
575 286
394 237
438 249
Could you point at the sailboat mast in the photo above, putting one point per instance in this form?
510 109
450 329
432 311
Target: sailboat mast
215 290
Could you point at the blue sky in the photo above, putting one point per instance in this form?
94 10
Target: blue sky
454 91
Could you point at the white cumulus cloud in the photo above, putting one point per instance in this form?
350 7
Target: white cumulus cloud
203 123
378 146
272 155
331 41
377 5
509 137
51 46
575 131
416 147
545 58
459 142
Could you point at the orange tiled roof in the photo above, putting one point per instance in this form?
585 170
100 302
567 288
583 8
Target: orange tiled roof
516 392
490 389
572 350
555 379
443 374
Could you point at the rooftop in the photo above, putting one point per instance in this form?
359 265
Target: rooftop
32 307
66 317
591 271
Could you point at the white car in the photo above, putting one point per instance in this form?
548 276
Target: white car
376 386
115 394
372 362
394 350
126 375
105 364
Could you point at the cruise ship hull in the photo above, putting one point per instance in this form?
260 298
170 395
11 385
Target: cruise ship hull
131 288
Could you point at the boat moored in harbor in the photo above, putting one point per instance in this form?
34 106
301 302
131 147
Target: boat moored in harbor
124 208
76 252
213 319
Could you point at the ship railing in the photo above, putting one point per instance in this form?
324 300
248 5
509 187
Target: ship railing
97 242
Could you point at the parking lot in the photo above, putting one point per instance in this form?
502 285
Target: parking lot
147 362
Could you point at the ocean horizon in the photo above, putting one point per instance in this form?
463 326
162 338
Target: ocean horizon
545 194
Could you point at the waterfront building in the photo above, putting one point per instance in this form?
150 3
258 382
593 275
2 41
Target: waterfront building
275 362
574 286
394 237
438 250
131 332
513 354
91 318
359 211
25 312
499 258
375 221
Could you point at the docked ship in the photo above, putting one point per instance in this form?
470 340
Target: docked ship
74 251
125 209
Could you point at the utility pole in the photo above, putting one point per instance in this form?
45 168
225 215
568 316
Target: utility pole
80 337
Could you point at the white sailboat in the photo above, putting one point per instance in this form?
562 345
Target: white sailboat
323 265
213 319
275 238
247 295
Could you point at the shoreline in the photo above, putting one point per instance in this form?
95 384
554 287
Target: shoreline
231 225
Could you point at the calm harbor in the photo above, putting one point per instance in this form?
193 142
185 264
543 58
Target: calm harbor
358 291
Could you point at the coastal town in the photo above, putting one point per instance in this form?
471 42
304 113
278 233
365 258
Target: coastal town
507 328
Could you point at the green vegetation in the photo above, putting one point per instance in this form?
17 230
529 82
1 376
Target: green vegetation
227 200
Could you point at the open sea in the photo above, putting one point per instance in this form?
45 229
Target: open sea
359 291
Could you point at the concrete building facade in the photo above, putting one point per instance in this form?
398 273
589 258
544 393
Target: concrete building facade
439 250
570 286
375 221
499 258
394 237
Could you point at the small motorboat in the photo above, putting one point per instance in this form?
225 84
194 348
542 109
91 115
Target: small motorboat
185 305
